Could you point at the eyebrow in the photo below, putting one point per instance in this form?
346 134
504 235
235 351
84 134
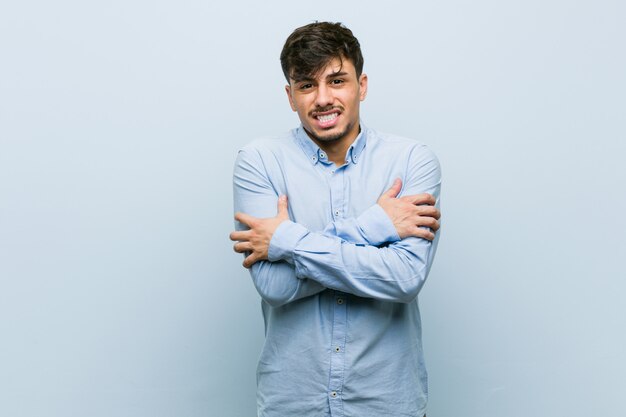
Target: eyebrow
336 74
329 76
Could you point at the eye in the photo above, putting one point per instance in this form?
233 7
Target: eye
337 81
305 86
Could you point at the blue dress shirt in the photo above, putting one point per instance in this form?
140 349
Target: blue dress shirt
339 291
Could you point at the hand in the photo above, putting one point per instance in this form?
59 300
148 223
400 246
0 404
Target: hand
410 212
256 241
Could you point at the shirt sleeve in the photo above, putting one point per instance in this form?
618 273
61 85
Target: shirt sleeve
395 272
276 280
372 227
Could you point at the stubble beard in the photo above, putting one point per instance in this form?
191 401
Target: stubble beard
333 137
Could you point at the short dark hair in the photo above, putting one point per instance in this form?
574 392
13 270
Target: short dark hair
311 47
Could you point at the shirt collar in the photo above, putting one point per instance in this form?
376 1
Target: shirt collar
315 154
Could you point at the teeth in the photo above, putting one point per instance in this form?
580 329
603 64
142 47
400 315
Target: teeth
327 117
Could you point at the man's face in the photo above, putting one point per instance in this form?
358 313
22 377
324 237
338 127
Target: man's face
328 105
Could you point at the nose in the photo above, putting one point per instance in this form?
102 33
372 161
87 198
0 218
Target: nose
324 96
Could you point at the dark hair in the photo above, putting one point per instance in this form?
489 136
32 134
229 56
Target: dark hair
311 47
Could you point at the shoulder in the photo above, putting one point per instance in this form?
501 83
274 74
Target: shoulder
417 163
400 145
268 153
270 144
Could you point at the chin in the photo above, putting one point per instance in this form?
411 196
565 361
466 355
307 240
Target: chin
328 136
332 137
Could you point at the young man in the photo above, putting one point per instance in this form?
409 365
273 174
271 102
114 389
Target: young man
340 263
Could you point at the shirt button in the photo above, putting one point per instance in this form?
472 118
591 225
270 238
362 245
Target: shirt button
336 212
337 349
322 155
339 301
332 172
333 394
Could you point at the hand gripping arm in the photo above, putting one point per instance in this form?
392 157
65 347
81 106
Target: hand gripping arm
394 273
276 281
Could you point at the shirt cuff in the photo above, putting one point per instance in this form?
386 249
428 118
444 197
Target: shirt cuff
284 241
377 227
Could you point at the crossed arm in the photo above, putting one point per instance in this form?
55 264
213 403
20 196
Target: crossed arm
411 215
289 262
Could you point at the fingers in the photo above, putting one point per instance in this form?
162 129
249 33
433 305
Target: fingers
394 190
283 211
420 199
242 235
428 211
248 220
423 233
242 247
250 260
245 247
429 222
244 218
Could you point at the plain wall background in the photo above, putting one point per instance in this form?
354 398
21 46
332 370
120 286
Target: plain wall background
119 124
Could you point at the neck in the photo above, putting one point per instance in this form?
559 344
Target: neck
336 149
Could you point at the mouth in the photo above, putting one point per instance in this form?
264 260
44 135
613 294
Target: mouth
327 119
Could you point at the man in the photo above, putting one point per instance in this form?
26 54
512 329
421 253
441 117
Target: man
340 263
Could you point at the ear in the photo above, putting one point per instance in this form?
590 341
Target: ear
291 103
362 87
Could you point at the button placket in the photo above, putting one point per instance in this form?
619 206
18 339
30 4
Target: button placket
338 337
337 193
337 360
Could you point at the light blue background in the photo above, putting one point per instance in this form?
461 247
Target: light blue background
119 124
